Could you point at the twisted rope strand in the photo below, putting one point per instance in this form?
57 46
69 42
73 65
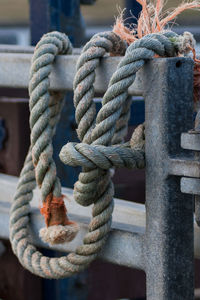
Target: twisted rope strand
95 153
43 119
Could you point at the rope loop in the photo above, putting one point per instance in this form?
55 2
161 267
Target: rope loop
101 148
110 125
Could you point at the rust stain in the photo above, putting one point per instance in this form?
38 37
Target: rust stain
54 211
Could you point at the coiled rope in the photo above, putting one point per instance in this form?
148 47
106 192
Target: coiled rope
96 153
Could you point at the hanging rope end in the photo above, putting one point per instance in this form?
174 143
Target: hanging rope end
186 43
59 234
59 229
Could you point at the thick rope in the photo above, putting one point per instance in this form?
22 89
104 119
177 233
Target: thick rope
43 120
98 156
104 129
42 114
96 136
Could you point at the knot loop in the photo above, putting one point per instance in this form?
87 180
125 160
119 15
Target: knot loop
103 157
96 153
104 129
159 43
90 157
89 60
45 110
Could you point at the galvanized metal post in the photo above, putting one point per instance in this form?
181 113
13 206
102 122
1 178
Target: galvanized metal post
169 229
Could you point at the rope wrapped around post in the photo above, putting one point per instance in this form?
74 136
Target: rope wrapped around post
96 153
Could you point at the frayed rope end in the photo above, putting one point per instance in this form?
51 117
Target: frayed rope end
59 228
59 234
152 19
186 43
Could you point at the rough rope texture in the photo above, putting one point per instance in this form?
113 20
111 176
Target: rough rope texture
104 129
96 136
44 115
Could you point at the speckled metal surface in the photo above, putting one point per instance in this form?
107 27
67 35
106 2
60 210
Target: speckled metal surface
169 229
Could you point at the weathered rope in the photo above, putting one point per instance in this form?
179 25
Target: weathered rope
95 185
39 164
96 159
42 114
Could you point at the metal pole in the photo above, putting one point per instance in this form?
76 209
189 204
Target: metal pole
169 230
61 15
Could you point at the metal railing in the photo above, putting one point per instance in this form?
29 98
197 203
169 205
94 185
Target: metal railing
164 248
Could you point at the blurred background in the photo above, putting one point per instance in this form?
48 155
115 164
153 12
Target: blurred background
15 18
22 23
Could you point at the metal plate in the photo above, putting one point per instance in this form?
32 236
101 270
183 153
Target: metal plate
190 141
190 186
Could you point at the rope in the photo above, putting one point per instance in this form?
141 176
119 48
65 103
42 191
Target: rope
93 180
96 153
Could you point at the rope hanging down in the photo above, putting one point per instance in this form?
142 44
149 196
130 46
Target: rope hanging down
96 153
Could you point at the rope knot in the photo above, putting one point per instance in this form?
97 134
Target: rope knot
101 148
184 43
90 157
117 46
164 44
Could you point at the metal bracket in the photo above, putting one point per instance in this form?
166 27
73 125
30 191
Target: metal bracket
191 141
2 133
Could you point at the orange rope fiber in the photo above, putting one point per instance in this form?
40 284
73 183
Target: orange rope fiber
154 19
54 211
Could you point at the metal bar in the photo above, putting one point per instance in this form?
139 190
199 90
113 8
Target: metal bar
122 215
169 213
117 249
129 220
184 167
197 157
14 72
190 186
125 235
128 217
26 49
16 49
197 209
190 141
